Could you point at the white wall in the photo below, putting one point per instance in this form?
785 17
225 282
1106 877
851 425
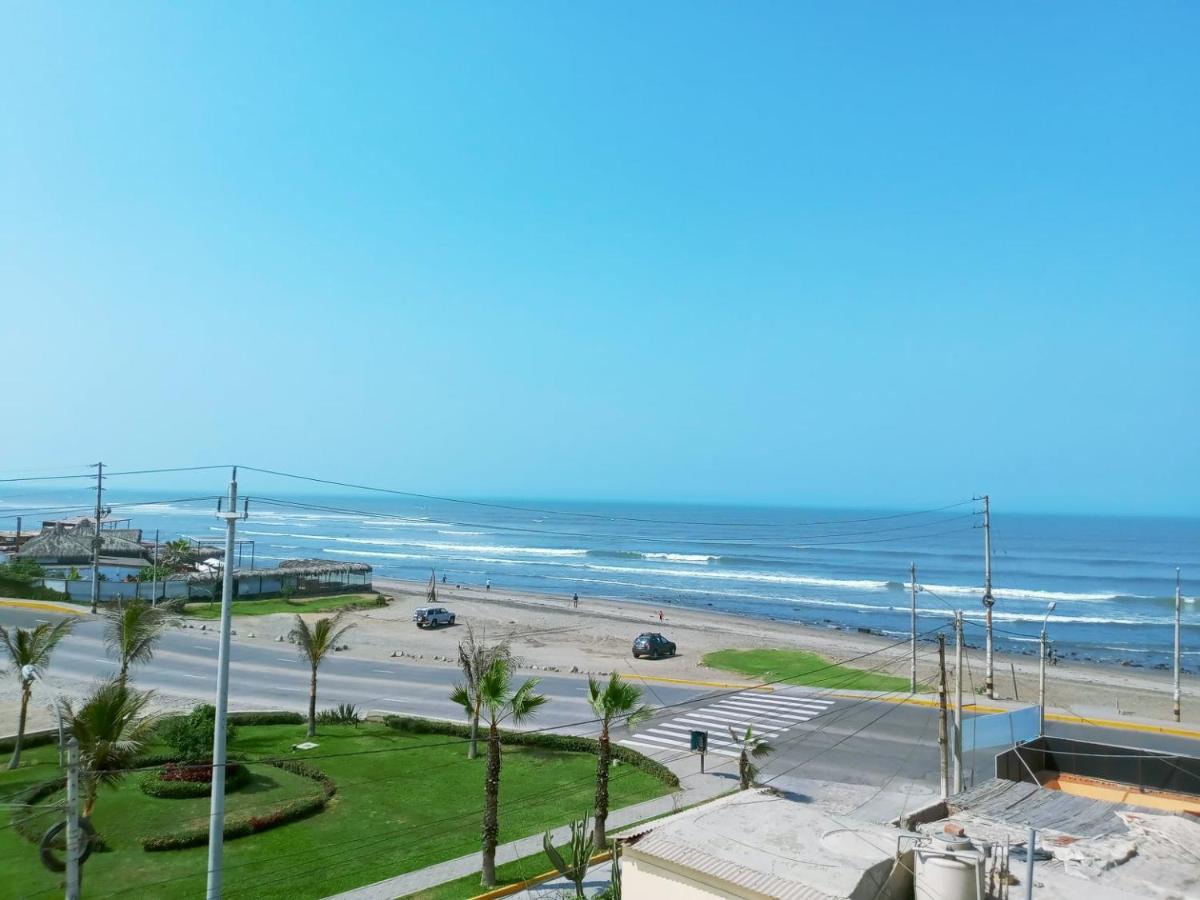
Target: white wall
643 878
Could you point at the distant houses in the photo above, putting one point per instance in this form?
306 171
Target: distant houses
64 551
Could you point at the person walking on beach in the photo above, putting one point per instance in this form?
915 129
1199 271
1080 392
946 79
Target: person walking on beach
575 601
660 615
488 585
443 578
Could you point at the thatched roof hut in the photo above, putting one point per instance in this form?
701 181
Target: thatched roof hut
61 545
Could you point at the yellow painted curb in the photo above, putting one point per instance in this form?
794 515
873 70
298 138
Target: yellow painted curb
693 683
1124 726
922 701
537 879
41 605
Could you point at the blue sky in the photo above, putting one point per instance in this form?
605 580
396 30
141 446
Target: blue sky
867 254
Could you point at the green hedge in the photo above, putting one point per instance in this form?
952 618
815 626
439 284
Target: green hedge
245 824
30 740
267 718
237 776
23 588
565 742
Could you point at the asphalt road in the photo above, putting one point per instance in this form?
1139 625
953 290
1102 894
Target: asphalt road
817 736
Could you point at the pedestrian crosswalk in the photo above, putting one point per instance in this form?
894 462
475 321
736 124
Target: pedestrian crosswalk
770 715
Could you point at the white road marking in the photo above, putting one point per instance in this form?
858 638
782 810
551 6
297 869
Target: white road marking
190 675
667 731
293 690
109 661
677 746
384 671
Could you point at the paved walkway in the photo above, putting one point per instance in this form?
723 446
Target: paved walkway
695 788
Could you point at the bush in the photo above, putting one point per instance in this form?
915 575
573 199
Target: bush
23 588
176 782
275 717
191 736
568 743
242 825
342 714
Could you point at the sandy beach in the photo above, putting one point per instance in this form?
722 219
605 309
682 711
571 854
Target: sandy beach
548 633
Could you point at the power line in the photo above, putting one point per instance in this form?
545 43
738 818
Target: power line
603 516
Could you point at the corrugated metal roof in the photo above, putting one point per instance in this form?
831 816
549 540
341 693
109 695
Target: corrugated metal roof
1023 803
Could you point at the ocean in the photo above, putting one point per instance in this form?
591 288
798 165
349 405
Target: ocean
1112 579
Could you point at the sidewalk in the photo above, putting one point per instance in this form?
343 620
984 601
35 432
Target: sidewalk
695 788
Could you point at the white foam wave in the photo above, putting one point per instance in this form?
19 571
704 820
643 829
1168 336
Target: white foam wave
736 575
681 557
1020 593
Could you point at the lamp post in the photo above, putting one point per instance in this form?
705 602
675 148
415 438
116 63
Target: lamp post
1042 672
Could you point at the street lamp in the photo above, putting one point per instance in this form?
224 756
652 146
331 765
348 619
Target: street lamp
1042 672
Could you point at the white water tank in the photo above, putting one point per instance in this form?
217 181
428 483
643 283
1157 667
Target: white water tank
949 868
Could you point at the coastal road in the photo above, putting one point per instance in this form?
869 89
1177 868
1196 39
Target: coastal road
818 735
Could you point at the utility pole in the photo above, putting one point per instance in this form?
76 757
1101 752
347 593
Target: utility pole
988 601
74 850
18 533
1178 608
154 573
913 648
96 538
216 823
943 743
958 701
1043 647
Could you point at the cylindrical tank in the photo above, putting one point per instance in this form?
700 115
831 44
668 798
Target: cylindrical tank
949 868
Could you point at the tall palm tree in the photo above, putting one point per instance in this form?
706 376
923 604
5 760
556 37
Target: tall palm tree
315 643
111 727
499 701
751 747
29 650
131 630
475 657
612 702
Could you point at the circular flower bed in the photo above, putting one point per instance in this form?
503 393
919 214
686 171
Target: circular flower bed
176 781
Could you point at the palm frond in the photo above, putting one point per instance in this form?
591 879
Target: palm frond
525 702
462 696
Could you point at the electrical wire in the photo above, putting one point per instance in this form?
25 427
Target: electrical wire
602 516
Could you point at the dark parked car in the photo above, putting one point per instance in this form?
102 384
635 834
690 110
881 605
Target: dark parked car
653 645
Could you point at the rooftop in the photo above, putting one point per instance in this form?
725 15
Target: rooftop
761 842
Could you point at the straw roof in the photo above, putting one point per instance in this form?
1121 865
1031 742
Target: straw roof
56 542
296 568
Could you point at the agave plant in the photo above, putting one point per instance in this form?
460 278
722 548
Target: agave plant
580 849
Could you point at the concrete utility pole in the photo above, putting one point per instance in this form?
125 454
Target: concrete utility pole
913 662
1043 647
154 573
958 701
943 743
74 850
1178 655
96 538
216 822
988 601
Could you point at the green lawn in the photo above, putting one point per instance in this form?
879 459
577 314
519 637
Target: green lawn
206 610
802 667
403 802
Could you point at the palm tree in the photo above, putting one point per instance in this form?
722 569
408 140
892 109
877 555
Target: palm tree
112 728
498 701
131 631
29 650
177 555
751 747
612 702
316 643
475 657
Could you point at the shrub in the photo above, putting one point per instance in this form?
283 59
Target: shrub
176 782
237 826
272 717
568 743
191 736
342 714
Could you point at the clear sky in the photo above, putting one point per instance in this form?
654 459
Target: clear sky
828 253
